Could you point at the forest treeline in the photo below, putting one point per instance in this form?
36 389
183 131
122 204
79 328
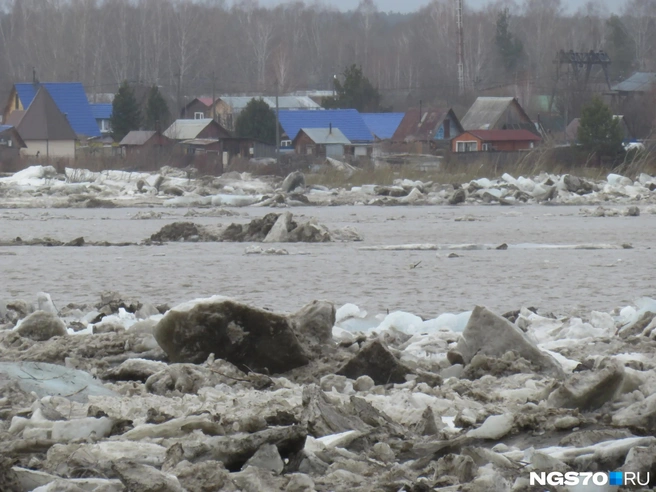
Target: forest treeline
189 48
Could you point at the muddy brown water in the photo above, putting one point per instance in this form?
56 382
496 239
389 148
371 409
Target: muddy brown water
563 281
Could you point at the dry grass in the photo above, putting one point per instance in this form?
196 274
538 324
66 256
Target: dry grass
454 170
636 162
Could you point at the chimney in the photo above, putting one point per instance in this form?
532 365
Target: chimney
330 128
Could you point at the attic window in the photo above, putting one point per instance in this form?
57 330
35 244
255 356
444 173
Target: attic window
199 115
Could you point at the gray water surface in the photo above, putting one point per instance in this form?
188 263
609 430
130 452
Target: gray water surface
563 281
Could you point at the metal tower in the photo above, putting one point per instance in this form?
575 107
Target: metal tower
461 48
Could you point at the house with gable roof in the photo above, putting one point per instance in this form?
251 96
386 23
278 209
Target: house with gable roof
228 108
382 125
205 128
429 125
143 142
69 98
198 109
321 142
45 130
348 121
497 113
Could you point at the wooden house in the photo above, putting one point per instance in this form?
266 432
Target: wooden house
497 113
139 142
321 142
198 109
45 130
69 98
191 129
428 125
494 141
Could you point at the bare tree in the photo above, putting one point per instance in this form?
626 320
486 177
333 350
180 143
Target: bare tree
193 46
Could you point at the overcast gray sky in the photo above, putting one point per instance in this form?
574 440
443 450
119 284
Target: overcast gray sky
412 5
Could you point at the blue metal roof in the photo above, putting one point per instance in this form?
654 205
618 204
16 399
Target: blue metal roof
382 125
4 128
71 100
349 121
101 111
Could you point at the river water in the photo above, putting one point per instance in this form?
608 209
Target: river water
427 283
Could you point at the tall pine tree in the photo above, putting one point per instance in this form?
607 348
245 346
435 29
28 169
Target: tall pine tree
621 48
157 111
510 48
357 92
257 120
125 112
599 131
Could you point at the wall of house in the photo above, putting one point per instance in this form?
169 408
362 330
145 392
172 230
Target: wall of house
465 137
189 113
448 129
9 140
51 148
304 144
104 125
335 150
13 103
215 147
213 130
225 116
266 150
362 150
157 144
512 116
511 146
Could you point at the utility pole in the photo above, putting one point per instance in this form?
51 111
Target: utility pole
277 125
179 75
461 48
213 95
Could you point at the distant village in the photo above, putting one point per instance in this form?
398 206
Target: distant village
57 122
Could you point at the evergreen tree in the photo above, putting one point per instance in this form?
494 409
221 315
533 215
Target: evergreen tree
125 113
621 49
157 111
257 120
357 92
599 131
510 48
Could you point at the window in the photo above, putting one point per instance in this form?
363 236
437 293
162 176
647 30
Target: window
198 115
467 146
104 126
487 147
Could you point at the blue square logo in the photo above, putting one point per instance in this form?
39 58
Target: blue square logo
616 478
